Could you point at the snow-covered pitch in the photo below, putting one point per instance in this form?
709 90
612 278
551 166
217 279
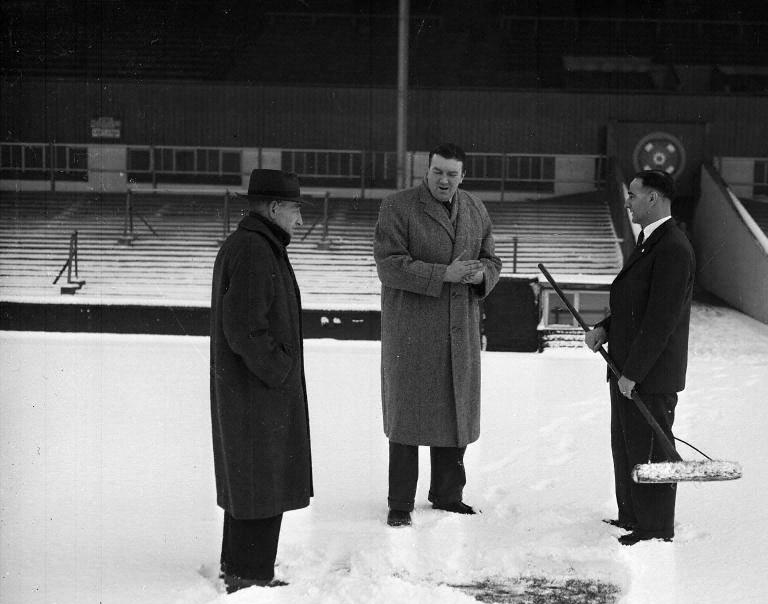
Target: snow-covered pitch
108 493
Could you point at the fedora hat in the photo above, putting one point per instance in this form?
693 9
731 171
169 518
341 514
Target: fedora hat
269 185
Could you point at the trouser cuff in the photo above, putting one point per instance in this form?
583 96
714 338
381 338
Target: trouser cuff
400 506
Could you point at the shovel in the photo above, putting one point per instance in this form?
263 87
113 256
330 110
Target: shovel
676 469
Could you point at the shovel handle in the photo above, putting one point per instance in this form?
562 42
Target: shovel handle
666 445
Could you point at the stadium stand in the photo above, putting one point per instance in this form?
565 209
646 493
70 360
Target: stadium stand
334 265
493 45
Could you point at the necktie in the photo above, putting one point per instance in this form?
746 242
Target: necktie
447 205
640 239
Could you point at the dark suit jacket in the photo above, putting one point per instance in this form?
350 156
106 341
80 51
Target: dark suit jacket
650 305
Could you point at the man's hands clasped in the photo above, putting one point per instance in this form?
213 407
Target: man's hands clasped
464 271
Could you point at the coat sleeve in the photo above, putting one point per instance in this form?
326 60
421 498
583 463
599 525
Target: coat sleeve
394 264
245 318
491 262
604 323
670 281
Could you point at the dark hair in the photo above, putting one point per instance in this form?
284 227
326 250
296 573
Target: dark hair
659 181
449 151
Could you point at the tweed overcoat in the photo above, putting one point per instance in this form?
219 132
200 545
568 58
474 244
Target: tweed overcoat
259 412
430 330
650 304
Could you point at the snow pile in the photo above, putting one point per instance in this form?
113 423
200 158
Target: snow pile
108 496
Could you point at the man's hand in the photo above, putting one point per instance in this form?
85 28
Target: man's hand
626 386
474 278
595 338
459 269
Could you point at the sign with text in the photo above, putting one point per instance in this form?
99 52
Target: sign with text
106 127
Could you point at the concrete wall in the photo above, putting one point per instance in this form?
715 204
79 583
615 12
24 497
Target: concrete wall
107 168
325 117
739 173
731 250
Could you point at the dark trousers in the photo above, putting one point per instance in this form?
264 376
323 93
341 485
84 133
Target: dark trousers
447 478
651 507
249 547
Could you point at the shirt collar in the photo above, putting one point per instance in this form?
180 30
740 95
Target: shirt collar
648 230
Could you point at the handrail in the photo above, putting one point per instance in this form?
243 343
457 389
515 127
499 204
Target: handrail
72 286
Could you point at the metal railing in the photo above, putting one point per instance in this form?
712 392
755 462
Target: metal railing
342 168
129 234
44 162
184 165
355 170
72 285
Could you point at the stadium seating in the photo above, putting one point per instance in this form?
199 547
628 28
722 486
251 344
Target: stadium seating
334 266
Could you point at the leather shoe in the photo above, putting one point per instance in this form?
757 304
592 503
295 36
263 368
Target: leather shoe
625 526
637 536
457 507
398 518
235 583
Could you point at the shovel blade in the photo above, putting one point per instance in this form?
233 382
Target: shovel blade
686 471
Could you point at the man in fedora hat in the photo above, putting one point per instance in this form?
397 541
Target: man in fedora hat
259 410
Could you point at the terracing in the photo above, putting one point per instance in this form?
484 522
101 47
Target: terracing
169 260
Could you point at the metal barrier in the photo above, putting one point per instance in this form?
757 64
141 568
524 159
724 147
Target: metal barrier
46 162
72 286
183 165
342 168
349 172
129 236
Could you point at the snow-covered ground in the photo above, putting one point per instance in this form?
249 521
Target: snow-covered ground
108 494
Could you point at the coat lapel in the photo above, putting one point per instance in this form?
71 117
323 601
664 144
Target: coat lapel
436 211
646 246
463 234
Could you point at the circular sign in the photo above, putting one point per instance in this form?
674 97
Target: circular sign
659 151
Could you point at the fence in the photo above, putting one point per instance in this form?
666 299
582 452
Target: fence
349 172
43 162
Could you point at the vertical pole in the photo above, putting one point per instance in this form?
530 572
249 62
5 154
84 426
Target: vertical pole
77 268
325 216
52 152
514 254
362 174
71 257
402 89
127 212
153 166
503 173
226 215
130 213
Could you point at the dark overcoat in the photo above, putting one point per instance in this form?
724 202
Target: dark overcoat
650 303
259 413
430 330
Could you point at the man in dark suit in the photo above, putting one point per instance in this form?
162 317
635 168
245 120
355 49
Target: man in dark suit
647 335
